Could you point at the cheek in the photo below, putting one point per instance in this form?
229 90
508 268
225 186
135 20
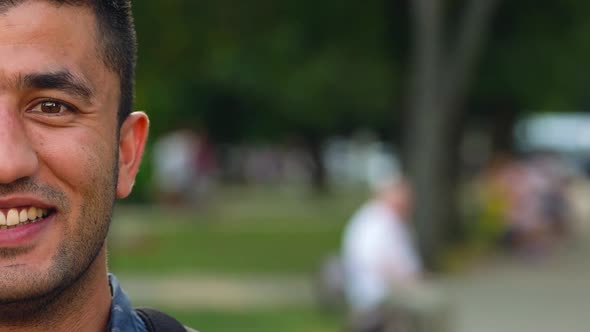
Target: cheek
74 157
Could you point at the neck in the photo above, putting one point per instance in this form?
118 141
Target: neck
84 306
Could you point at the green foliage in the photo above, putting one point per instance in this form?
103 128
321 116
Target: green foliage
538 55
263 68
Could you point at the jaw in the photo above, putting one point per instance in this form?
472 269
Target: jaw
60 309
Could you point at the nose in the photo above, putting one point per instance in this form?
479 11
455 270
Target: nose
18 158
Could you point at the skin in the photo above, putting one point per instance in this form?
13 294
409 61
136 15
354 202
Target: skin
398 197
60 145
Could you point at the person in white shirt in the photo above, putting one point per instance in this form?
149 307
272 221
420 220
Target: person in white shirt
378 251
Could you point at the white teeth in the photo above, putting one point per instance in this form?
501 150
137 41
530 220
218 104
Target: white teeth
32 213
23 216
12 218
15 216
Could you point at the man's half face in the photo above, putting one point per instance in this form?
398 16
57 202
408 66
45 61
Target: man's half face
58 148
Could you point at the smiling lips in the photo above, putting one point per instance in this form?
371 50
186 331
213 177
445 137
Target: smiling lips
20 216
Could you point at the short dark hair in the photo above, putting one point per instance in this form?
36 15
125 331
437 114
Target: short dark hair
117 41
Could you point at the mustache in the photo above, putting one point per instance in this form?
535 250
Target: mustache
28 185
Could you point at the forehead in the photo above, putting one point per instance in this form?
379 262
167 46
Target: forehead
38 36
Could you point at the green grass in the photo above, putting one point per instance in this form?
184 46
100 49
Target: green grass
241 231
250 232
211 248
271 320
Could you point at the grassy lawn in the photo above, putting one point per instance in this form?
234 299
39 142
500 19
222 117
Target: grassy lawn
249 231
242 231
272 320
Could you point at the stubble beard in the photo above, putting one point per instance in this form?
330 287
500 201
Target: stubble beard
41 298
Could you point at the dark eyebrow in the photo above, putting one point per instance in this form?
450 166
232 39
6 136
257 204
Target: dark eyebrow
61 80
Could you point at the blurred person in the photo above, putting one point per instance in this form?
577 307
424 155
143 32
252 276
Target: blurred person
206 167
175 171
71 146
379 256
184 167
490 197
524 199
577 195
538 213
554 201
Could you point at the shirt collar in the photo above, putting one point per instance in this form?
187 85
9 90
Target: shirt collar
123 317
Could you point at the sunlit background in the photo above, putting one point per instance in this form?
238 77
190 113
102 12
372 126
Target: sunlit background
267 121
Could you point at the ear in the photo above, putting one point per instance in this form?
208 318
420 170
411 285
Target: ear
132 140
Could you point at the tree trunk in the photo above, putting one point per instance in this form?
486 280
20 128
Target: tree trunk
425 129
438 90
317 168
503 121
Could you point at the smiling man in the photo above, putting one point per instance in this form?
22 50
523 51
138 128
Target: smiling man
70 146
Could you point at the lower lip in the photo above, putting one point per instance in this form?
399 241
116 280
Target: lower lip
23 235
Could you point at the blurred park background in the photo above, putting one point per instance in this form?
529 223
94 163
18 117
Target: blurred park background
267 120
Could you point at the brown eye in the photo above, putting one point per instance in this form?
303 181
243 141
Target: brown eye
51 107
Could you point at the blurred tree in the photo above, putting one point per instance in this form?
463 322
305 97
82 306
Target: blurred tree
438 90
266 70
272 70
535 60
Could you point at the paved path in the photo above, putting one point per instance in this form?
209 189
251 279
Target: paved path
506 294
218 291
510 295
